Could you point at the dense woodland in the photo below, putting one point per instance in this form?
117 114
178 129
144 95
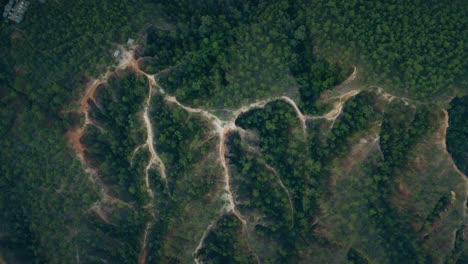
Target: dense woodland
457 133
414 47
220 55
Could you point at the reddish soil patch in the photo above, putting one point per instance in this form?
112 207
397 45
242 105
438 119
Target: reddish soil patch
89 95
73 140
416 226
403 190
74 135
19 70
16 35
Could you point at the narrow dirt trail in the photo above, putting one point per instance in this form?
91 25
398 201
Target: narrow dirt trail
200 244
388 96
74 135
135 151
231 206
144 249
90 95
144 241
302 118
262 103
154 159
280 182
338 106
222 129
127 60
353 76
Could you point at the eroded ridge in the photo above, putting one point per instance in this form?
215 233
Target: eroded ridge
74 136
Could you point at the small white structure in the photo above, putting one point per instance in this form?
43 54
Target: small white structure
15 10
8 8
130 42
117 53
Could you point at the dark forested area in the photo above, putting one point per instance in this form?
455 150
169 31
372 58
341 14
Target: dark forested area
457 132
150 179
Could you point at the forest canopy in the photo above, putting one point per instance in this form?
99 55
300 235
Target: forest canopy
287 131
417 48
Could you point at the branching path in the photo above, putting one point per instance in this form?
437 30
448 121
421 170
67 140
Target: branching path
390 97
338 106
154 159
221 128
